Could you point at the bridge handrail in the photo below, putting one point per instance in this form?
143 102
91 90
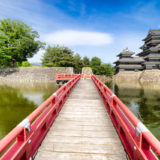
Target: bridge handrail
71 76
65 76
138 141
23 141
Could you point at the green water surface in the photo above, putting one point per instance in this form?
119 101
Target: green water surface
143 99
17 100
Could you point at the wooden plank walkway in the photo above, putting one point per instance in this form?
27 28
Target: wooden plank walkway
83 129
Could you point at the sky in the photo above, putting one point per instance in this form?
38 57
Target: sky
101 28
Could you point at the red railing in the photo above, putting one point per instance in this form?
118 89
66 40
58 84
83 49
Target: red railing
65 76
23 141
138 141
71 76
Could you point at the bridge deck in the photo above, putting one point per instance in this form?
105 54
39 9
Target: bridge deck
83 130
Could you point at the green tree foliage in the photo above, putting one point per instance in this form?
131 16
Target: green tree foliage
4 60
103 69
58 56
78 61
17 41
95 65
95 61
109 70
86 61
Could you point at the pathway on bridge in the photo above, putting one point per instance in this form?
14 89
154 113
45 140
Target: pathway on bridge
83 129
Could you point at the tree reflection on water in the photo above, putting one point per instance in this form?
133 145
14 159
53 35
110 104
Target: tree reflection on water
18 100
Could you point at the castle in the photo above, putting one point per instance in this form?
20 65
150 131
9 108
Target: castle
148 59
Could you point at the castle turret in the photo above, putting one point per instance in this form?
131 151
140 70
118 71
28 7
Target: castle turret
151 50
128 63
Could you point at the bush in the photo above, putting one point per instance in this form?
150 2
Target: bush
26 64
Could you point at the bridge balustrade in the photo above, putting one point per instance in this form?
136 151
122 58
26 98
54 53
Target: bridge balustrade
23 141
139 142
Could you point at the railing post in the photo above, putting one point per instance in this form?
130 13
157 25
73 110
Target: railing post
55 98
135 137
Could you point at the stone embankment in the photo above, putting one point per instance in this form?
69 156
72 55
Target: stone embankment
150 76
127 76
49 75
87 70
142 76
32 74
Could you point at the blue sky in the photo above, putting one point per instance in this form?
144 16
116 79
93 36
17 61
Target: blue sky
100 28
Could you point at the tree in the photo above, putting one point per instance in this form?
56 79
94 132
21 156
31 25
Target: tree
17 41
109 70
103 69
58 56
78 61
4 60
86 61
95 61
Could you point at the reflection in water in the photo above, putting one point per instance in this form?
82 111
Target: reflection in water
19 100
37 98
143 100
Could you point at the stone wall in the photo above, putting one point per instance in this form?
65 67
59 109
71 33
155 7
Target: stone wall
150 75
87 70
127 76
142 76
33 74
49 75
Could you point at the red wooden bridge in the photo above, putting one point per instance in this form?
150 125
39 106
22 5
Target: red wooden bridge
77 123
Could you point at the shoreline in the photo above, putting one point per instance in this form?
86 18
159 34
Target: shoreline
39 74
140 76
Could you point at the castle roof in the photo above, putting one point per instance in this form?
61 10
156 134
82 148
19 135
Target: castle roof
137 66
154 49
151 62
152 32
152 56
132 59
125 52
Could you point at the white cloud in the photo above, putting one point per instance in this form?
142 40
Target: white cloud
108 53
78 38
34 13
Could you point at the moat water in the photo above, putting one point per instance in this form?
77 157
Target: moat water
19 100
143 100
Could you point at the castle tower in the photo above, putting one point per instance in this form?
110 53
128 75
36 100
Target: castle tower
151 50
128 63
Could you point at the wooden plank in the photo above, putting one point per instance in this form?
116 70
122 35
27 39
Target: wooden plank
43 155
83 129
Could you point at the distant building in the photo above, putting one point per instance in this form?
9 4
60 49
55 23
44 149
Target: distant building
128 63
151 50
148 59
